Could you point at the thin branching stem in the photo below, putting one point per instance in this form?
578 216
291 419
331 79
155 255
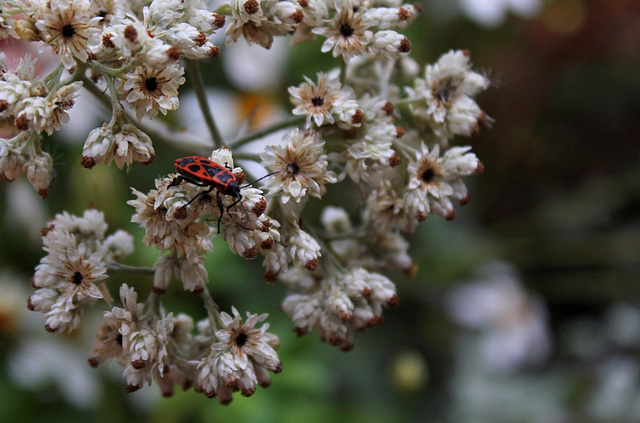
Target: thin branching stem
195 76
293 121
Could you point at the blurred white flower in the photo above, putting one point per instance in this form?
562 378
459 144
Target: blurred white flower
513 323
253 68
493 12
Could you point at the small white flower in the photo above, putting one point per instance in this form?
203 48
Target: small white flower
12 160
246 340
316 100
436 180
304 250
300 165
448 90
39 170
72 273
258 21
347 34
67 27
124 145
150 90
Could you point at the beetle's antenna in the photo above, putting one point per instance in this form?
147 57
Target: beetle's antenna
258 180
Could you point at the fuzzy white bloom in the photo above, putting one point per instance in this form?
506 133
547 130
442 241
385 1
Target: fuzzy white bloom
444 98
68 28
389 44
436 180
124 145
347 34
239 359
70 277
300 164
17 84
118 245
39 171
304 249
12 159
7 26
151 90
259 21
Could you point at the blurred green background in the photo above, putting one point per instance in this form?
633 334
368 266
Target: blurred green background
559 200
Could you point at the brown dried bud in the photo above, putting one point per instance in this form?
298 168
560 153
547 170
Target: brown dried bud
395 159
22 122
220 20
405 45
200 39
267 244
130 33
250 253
107 41
388 108
312 264
358 117
297 16
451 214
251 6
174 53
214 52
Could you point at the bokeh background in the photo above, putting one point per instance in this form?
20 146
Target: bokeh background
526 308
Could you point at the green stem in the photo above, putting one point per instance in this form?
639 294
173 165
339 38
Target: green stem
343 70
213 311
193 69
122 269
80 68
293 121
54 75
106 70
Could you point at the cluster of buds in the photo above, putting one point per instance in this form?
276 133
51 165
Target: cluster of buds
374 127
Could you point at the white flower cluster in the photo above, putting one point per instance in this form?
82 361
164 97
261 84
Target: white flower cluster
258 21
153 345
238 357
34 107
356 27
175 224
376 137
402 174
443 101
71 276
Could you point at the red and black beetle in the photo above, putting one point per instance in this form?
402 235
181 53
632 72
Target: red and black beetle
207 173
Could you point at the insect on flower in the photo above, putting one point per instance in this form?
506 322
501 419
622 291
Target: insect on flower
207 173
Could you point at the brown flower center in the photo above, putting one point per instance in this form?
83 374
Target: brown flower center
293 168
68 31
317 101
77 277
241 339
428 175
151 84
346 30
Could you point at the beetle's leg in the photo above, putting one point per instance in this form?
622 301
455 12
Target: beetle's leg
221 207
199 194
176 181
226 164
